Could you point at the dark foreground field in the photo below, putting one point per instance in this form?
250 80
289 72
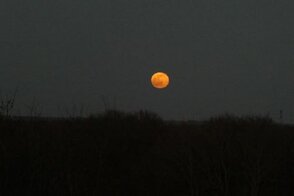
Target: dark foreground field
139 154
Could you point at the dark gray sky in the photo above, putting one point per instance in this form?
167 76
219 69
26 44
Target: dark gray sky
233 56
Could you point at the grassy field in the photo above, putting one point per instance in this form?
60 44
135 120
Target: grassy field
118 153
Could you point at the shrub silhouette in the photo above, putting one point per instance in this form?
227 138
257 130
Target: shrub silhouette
119 153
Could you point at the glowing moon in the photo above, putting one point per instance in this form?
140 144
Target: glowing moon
160 80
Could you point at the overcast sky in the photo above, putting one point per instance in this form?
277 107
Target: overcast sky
234 56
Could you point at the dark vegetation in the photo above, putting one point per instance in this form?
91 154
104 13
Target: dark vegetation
118 153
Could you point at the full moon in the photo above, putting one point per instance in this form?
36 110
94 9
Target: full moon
160 80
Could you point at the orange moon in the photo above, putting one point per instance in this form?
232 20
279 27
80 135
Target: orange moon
160 80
